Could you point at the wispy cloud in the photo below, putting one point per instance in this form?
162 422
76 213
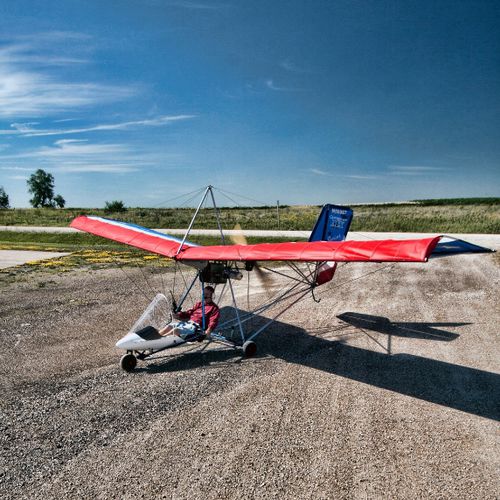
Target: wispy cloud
272 86
185 4
361 177
413 169
71 155
27 129
291 67
317 171
18 177
31 86
24 93
103 168
55 48
20 169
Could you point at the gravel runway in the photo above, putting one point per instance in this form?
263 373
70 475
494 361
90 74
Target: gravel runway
388 388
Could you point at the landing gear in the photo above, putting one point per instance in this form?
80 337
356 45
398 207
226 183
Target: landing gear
249 349
128 362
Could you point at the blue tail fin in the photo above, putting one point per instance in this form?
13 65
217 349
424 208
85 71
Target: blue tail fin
333 224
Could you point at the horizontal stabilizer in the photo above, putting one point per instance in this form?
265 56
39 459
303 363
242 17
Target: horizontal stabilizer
448 245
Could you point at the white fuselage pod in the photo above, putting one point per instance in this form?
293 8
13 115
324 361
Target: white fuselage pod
134 342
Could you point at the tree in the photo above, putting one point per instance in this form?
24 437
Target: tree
41 186
59 201
4 198
114 206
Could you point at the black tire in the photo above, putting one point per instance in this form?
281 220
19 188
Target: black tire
128 362
249 349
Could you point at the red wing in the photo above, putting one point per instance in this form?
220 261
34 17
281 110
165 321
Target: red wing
417 250
130 234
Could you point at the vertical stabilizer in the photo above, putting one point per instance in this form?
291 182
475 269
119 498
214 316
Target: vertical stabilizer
333 224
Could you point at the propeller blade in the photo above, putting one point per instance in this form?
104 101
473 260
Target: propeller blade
238 238
264 277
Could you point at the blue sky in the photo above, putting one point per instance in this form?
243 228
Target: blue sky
301 101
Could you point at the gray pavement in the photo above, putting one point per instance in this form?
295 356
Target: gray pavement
11 258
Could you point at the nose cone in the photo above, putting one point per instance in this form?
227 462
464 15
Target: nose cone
130 341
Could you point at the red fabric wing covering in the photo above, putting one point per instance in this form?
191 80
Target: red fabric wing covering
130 234
317 251
417 250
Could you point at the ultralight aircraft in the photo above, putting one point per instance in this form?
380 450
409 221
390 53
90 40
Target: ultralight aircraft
223 264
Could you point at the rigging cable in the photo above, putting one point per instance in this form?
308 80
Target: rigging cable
197 191
115 261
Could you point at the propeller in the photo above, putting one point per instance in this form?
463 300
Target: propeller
265 278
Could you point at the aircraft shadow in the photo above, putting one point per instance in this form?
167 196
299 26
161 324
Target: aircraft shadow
459 387
429 331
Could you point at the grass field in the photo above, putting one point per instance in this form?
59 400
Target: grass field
474 215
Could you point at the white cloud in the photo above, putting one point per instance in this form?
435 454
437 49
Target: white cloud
78 155
18 177
186 4
30 84
361 177
20 169
413 169
115 168
25 93
79 148
317 171
291 67
272 86
26 129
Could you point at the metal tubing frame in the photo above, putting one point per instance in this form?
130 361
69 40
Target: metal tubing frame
286 295
260 330
199 275
217 216
242 334
282 274
263 307
209 188
303 279
186 293
203 319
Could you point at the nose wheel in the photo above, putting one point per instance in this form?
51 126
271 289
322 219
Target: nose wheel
128 362
249 349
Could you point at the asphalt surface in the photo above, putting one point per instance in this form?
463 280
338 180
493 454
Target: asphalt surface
389 387
11 258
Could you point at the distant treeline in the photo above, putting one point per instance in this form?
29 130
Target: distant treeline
459 201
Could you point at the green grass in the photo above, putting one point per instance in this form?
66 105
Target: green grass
469 215
430 219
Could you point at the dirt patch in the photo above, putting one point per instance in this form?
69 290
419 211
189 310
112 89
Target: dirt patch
388 388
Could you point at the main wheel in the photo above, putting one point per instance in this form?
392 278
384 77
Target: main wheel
249 349
128 362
